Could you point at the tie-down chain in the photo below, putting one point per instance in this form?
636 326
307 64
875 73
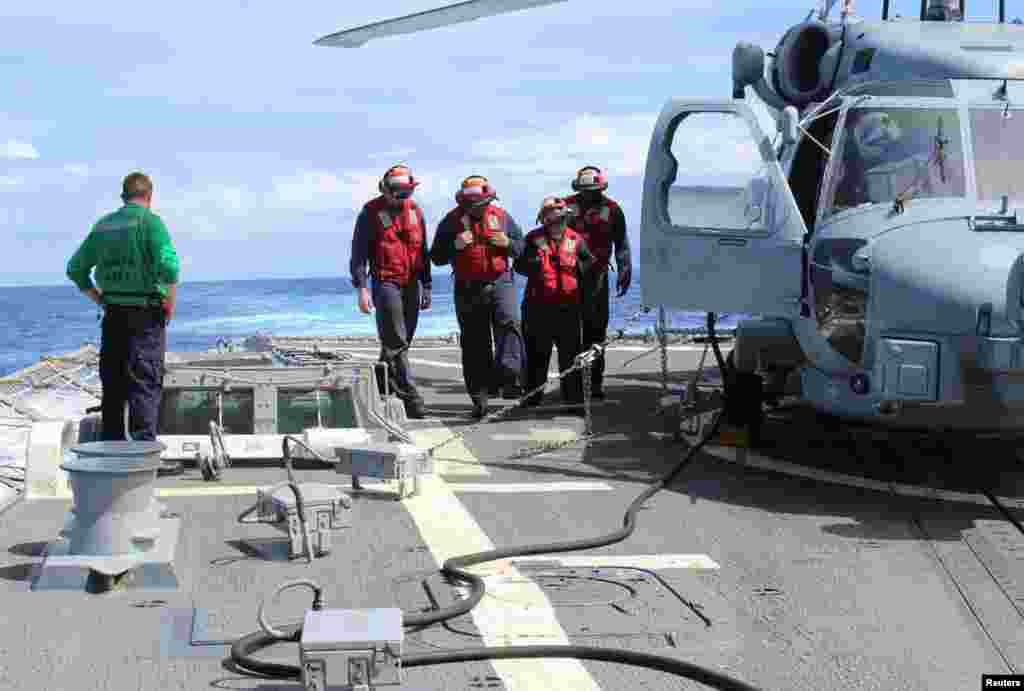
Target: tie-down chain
584 361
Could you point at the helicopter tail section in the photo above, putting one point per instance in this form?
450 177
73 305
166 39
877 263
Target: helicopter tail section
720 229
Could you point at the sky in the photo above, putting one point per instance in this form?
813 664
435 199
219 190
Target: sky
263 147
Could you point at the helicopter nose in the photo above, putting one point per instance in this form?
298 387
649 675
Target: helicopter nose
943 278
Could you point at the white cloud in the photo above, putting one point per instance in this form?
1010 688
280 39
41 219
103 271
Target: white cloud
319 190
11 181
524 168
18 149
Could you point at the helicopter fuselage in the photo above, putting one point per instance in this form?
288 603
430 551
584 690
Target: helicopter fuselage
914 261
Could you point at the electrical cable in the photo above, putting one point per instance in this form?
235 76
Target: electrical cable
243 649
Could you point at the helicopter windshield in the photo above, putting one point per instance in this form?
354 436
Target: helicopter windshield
883 153
997 135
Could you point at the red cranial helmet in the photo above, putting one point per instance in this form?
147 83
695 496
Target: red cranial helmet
552 210
590 179
475 191
398 181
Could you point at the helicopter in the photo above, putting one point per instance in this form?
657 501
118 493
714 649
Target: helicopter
876 237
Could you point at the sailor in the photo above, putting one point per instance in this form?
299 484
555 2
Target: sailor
603 225
481 241
390 235
557 263
137 276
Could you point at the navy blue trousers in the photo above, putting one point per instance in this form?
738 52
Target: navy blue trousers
483 308
545 327
398 312
132 370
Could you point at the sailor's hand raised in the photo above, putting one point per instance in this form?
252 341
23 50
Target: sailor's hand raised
498 240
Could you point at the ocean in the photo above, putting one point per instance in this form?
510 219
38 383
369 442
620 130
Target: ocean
52 320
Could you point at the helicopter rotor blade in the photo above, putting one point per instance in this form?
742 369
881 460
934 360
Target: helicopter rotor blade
424 21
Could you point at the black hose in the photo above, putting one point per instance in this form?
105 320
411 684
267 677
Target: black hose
580 652
723 366
244 647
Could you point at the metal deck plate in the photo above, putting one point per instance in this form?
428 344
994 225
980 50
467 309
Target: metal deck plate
153 570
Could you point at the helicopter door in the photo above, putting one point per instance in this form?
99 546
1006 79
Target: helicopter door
720 229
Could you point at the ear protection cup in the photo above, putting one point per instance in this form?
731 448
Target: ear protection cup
590 178
410 185
479 193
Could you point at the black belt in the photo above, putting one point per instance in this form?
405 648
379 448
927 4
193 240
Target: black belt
152 299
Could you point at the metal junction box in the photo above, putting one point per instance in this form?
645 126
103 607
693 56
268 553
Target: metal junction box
327 509
386 461
361 648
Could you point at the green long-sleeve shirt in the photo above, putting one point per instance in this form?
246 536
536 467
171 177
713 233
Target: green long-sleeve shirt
133 256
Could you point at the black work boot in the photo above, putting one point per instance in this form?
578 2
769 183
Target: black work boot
414 410
512 391
479 407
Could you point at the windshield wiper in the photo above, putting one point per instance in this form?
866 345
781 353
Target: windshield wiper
940 151
938 158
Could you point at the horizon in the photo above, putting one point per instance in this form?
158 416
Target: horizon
346 277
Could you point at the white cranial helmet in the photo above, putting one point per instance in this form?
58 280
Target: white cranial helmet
875 134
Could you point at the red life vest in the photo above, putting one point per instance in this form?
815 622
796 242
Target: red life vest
555 283
479 261
397 250
596 228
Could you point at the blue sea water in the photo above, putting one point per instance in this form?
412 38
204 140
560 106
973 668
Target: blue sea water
52 320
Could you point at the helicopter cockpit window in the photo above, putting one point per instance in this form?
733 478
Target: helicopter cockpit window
997 135
721 182
885 153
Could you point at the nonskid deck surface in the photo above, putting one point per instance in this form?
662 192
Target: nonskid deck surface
782 580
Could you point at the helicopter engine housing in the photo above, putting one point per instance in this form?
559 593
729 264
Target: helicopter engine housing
797 73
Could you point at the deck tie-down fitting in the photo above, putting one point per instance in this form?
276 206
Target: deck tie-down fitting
308 512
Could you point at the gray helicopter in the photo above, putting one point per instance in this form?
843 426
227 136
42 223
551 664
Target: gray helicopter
875 235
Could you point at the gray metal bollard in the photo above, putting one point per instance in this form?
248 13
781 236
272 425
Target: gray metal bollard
115 510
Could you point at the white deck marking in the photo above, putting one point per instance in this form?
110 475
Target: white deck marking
449 530
540 434
453 458
434 363
748 458
531 487
551 373
642 561
217 490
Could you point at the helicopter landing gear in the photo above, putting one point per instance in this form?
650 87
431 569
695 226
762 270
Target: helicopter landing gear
744 401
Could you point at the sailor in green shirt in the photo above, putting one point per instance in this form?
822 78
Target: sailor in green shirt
136 284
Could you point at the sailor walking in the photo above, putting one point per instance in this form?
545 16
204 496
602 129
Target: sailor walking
136 284
391 236
557 263
603 225
481 240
